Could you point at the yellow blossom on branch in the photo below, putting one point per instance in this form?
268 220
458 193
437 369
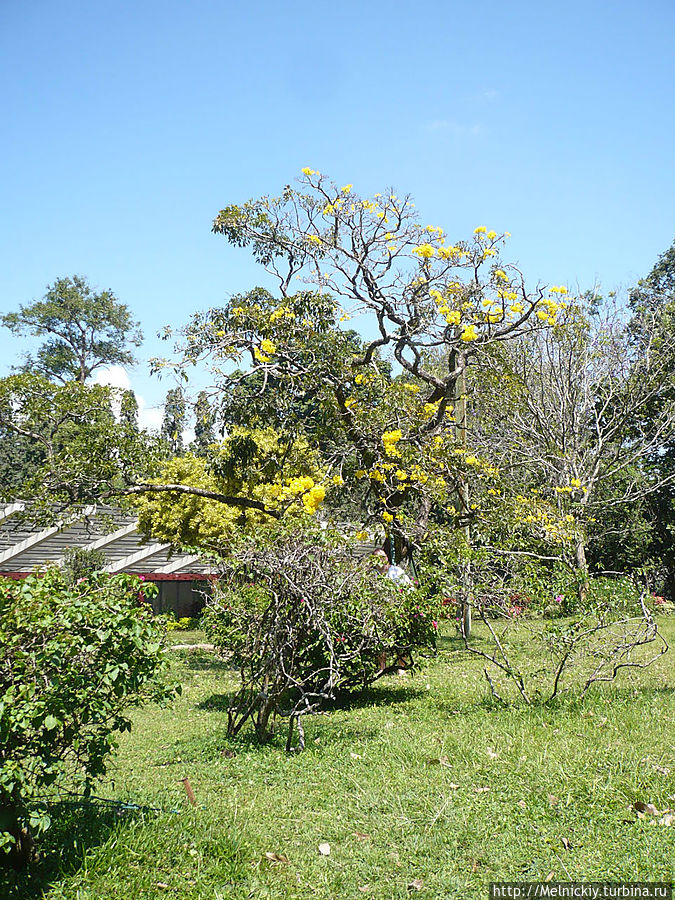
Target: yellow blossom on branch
426 251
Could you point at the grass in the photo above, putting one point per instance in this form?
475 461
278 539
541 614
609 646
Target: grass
421 778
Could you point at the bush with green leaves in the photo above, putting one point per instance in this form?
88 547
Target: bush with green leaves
305 621
74 658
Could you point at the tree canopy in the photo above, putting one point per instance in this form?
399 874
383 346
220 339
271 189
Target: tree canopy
84 330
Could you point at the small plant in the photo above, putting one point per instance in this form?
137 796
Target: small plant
74 658
185 623
80 563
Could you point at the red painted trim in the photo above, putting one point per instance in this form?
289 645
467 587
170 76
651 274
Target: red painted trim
144 576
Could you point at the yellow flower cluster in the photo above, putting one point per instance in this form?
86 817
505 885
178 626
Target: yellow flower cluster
307 171
449 252
387 516
260 356
313 239
500 275
547 310
389 441
268 346
311 494
429 410
558 289
425 251
282 312
238 311
469 334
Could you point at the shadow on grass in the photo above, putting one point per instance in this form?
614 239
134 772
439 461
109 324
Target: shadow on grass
203 661
75 830
566 702
375 695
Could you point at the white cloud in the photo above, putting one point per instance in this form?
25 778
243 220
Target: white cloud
149 417
113 376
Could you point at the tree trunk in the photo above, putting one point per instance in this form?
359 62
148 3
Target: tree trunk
582 570
23 851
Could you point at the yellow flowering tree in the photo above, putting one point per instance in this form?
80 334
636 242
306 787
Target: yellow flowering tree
386 417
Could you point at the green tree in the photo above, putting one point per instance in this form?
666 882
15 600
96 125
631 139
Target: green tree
205 418
84 330
173 423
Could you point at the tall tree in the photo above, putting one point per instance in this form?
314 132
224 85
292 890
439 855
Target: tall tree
173 423
204 421
583 413
84 330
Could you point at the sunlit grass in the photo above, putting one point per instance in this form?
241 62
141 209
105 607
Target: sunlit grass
424 777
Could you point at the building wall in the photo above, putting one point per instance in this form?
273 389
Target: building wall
183 598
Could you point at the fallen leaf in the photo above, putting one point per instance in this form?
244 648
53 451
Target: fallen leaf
566 843
453 786
402 673
229 754
416 884
491 753
276 857
481 790
645 809
553 800
662 770
361 836
355 756
522 804
324 849
474 867
365 888
601 722
550 876
162 884
667 818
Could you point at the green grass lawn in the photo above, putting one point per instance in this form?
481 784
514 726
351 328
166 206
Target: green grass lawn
424 778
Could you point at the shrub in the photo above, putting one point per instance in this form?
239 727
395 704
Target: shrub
78 562
305 621
185 623
73 658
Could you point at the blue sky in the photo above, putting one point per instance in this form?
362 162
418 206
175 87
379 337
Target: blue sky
127 126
